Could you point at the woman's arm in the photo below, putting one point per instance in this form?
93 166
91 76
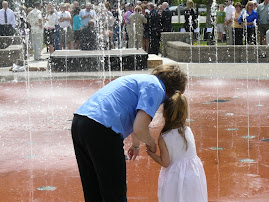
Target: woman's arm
163 159
141 130
133 151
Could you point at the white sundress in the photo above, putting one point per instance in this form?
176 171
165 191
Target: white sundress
184 179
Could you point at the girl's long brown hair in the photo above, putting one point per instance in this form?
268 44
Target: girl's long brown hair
175 111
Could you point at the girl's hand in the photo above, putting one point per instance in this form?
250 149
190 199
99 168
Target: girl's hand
133 152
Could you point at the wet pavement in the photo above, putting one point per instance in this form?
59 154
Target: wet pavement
229 115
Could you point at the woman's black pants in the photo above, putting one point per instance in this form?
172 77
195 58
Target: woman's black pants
238 33
101 160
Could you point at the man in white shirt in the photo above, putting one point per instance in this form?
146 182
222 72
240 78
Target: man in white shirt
66 33
230 12
34 18
87 14
7 20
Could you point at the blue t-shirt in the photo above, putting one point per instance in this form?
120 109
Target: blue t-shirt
115 106
76 22
249 17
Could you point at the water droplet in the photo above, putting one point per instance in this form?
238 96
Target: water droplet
206 103
29 143
46 188
248 137
190 120
47 133
219 100
229 114
232 129
247 160
30 157
259 105
217 148
265 140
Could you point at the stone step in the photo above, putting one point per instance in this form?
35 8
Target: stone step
154 61
32 69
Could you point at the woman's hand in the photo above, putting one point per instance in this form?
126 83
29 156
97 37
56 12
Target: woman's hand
149 152
152 148
133 152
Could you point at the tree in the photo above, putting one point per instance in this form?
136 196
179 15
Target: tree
29 3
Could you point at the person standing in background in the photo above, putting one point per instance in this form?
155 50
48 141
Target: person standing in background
166 18
127 15
7 20
49 27
220 22
249 18
146 29
263 21
229 10
87 14
153 20
190 17
57 30
238 29
66 33
137 21
77 26
35 20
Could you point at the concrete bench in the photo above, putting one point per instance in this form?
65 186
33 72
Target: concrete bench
181 51
6 41
9 55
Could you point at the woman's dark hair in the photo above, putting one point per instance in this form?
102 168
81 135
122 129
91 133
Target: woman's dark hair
76 11
238 4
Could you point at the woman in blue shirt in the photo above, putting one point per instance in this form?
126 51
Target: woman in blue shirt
249 18
123 107
77 26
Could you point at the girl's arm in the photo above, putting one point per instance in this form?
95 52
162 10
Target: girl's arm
163 159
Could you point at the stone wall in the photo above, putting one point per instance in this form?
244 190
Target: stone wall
6 41
11 50
183 52
174 36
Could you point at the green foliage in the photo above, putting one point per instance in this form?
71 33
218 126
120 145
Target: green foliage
177 26
177 2
29 3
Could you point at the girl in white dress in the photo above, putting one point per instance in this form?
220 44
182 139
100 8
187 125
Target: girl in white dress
182 177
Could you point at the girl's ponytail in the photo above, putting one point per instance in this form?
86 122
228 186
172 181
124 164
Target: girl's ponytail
175 114
176 105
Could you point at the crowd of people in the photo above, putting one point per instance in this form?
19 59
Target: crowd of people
94 26
106 26
243 24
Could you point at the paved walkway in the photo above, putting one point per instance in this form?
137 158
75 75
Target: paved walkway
204 70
